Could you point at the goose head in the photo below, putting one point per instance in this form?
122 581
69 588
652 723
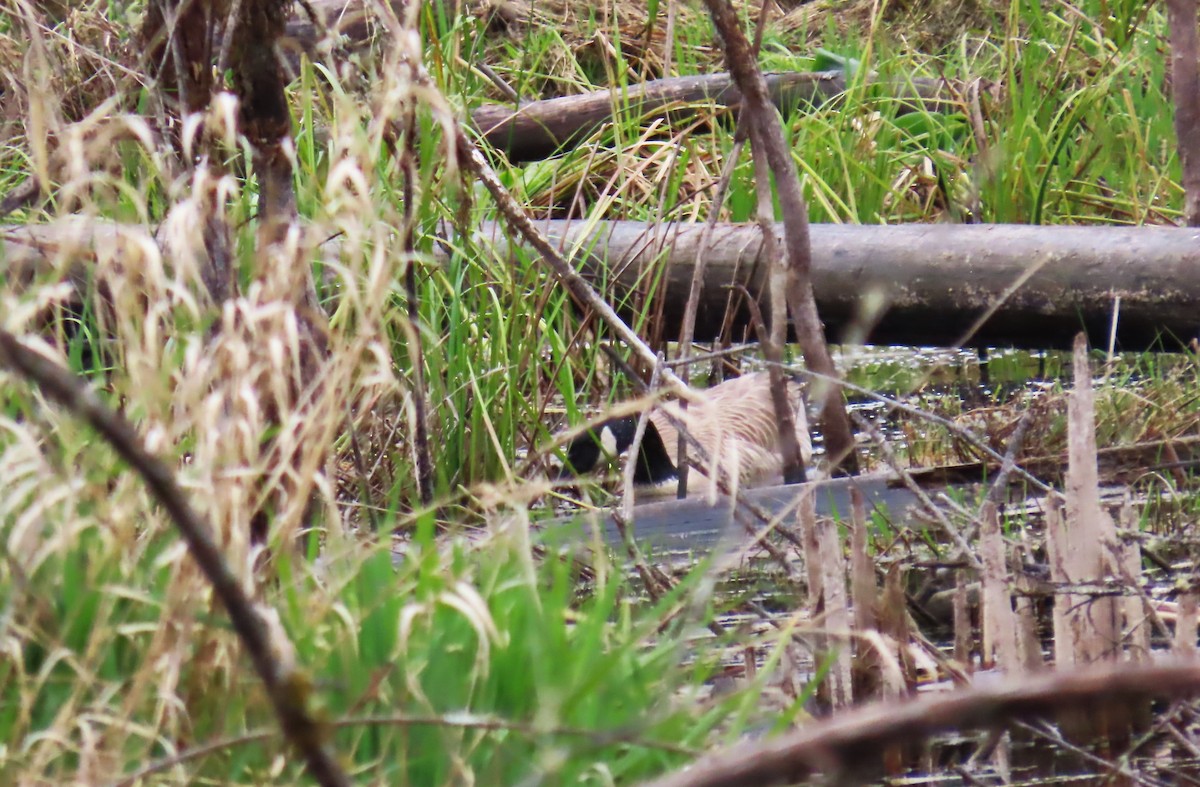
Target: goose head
612 438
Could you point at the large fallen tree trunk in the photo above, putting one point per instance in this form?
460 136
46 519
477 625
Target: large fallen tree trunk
935 284
926 284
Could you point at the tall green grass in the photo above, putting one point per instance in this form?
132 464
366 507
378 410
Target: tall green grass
458 664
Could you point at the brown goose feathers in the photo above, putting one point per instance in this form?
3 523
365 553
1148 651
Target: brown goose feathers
735 423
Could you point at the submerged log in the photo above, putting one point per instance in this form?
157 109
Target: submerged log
916 284
923 284
696 526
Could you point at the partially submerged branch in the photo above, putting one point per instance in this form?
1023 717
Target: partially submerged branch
851 741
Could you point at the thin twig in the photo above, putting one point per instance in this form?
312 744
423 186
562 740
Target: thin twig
509 92
652 579
286 685
231 23
360 468
1016 441
774 339
20 197
1053 736
635 447
688 329
421 448
575 283
174 42
736 349
455 721
907 479
669 37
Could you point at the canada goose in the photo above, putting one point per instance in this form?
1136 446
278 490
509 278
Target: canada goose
735 423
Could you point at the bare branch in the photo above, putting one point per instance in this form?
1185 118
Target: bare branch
854 737
688 329
766 137
575 283
1185 87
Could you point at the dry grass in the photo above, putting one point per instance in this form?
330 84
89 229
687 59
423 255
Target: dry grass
220 386
925 25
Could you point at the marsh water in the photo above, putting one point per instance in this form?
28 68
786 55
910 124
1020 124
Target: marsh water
985 395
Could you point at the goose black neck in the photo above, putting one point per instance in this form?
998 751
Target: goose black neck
653 464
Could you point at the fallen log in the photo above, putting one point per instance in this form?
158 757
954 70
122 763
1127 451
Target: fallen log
922 284
538 129
931 284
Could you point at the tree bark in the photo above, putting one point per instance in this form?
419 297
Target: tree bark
537 129
1185 87
1037 286
941 285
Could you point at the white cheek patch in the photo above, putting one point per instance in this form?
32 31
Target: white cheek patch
608 441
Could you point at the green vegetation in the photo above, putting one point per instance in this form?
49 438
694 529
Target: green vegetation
483 657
